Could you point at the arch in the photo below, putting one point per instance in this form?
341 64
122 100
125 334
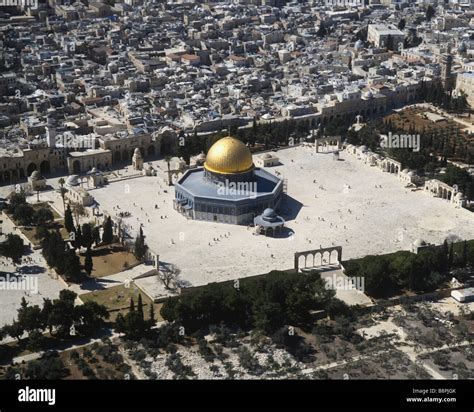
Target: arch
31 168
117 156
321 257
6 176
151 151
336 258
302 261
125 155
326 260
22 172
76 167
44 167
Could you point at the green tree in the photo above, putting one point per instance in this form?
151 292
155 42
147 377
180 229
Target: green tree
91 317
96 235
107 235
41 232
36 341
23 214
77 243
15 330
132 325
88 264
63 191
43 216
140 306
87 237
16 199
69 220
62 314
72 270
151 313
29 317
48 367
46 311
140 248
12 247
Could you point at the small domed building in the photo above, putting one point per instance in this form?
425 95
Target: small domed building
269 223
228 188
36 181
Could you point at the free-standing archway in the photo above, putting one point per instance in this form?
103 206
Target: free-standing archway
322 255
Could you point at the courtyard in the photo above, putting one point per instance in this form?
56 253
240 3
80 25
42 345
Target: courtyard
328 203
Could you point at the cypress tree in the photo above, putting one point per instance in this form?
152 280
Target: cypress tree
107 236
140 306
152 312
68 220
88 264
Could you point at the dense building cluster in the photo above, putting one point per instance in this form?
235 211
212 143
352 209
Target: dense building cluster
84 84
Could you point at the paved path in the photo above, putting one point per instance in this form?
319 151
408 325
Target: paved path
66 347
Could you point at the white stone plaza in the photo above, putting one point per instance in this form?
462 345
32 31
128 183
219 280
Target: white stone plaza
34 283
333 202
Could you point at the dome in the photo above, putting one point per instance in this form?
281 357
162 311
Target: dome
35 175
228 155
268 213
459 196
359 45
267 156
72 180
419 243
137 152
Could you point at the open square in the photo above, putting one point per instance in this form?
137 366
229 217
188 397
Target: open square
328 202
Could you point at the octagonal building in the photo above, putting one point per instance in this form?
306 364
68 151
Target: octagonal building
229 188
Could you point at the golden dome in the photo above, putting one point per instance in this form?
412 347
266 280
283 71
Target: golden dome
228 155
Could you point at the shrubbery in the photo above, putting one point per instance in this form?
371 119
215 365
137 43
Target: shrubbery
387 275
267 302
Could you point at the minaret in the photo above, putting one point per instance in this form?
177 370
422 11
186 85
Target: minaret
446 62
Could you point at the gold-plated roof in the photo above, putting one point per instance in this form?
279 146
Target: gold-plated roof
229 155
